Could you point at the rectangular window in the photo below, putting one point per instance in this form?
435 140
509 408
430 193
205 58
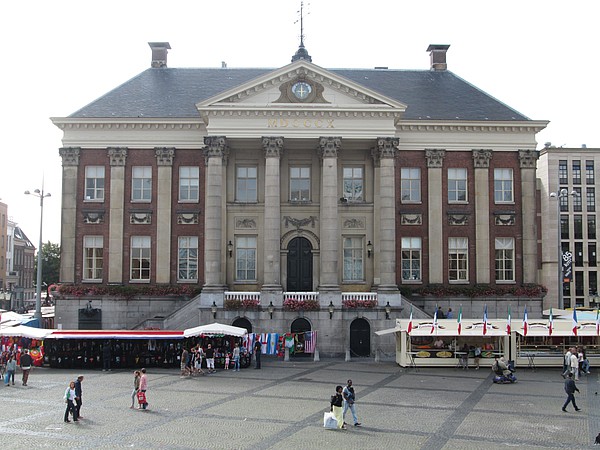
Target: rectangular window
140 258
457 185
503 185
578 254
563 202
592 260
590 199
458 259
411 259
591 227
246 184
410 184
590 178
353 259
576 172
93 258
353 183
564 227
593 282
563 172
577 199
579 286
577 226
187 258
94 183
189 184
300 184
505 259
141 184
245 258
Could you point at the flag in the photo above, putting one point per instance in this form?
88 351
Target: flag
310 341
575 324
409 322
525 322
485 321
459 319
597 323
434 325
551 323
508 322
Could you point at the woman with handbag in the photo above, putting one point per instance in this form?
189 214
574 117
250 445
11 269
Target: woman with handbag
142 391
69 399
136 387
336 406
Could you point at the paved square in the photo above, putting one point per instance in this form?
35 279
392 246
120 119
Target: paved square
281 406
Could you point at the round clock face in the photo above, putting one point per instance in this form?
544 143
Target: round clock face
301 90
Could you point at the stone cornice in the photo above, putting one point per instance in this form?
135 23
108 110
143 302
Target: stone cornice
472 126
127 124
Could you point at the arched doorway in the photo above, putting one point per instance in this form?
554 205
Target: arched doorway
300 325
242 322
360 338
299 265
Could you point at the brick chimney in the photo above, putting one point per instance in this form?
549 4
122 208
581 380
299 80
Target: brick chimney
437 55
159 53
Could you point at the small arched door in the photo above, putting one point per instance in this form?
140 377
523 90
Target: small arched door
299 265
300 325
360 338
242 322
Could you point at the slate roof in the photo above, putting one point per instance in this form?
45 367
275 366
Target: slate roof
173 93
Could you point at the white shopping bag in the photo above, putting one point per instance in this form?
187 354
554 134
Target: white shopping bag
329 421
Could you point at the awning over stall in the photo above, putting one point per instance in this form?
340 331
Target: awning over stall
116 334
215 329
25 331
560 327
449 327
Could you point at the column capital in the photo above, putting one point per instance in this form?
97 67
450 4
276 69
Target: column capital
435 157
69 155
216 146
273 146
482 158
528 159
117 156
329 147
164 155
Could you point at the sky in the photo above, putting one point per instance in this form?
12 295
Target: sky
539 57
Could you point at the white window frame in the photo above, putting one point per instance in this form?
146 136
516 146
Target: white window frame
140 259
353 183
94 184
299 175
354 259
245 176
457 185
93 258
189 184
458 259
410 185
503 186
187 258
246 258
411 254
141 184
504 259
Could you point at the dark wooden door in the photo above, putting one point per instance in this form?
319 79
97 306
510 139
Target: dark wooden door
360 338
299 266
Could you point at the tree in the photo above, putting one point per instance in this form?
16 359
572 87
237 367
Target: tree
50 264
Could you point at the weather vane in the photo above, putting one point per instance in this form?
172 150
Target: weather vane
301 20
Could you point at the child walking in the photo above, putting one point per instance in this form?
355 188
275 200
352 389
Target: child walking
226 361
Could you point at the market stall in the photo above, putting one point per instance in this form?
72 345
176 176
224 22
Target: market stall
222 338
445 342
19 337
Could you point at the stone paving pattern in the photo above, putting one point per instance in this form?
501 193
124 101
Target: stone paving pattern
281 406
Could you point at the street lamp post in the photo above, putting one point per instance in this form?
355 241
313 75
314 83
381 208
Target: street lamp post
563 193
38 294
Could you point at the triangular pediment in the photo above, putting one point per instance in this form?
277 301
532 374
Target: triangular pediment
300 85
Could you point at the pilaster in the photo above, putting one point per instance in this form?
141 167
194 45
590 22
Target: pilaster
481 162
164 160
527 162
117 157
435 161
70 168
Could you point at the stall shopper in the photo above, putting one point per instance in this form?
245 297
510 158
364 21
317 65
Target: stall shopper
26 362
11 368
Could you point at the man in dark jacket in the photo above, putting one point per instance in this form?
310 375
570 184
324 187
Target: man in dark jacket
26 362
106 356
257 352
570 389
78 401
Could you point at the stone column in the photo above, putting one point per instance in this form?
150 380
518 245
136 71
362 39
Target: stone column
117 157
527 162
215 152
385 249
329 148
273 147
481 161
435 160
68 236
164 160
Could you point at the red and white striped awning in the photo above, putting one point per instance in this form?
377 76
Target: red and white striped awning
116 334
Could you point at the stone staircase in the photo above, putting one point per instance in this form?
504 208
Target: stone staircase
185 317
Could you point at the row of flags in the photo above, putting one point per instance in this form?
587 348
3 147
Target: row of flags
486 323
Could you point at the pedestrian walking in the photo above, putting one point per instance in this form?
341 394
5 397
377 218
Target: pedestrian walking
566 363
136 387
78 392
106 356
11 368
336 406
236 357
257 352
26 362
574 364
143 388
349 399
570 389
184 363
210 359
69 397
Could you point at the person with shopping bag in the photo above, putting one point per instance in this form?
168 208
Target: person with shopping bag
337 401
